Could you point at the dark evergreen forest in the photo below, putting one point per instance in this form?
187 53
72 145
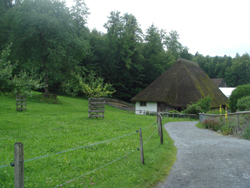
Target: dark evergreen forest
52 40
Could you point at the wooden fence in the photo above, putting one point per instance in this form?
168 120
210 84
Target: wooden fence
107 100
19 154
204 116
96 107
168 115
121 108
21 102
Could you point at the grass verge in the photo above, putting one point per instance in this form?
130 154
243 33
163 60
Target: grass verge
199 125
47 128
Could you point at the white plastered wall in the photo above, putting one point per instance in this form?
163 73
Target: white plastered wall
150 106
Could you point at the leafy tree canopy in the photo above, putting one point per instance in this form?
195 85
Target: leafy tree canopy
83 83
21 83
238 93
43 33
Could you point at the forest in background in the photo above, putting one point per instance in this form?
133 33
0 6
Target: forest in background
50 40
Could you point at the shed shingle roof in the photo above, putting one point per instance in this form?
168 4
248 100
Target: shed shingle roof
184 82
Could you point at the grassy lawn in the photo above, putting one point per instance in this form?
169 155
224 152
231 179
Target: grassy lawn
45 129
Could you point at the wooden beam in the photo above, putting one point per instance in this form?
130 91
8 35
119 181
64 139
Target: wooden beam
96 111
97 103
21 100
96 106
20 109
96 115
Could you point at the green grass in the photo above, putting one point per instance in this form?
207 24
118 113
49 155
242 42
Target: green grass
199 125
47 128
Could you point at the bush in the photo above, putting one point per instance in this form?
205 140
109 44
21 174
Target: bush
211 124
238 93
204 104
216 111
246 134
173 111
243 104
193 109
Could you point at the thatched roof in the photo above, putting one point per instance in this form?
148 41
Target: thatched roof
184 82
219 82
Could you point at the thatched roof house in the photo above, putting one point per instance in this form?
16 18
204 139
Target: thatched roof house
184 82
220 82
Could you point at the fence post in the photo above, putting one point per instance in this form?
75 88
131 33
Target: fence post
173 116
238 122
178 117
158 121
161 132
141 147
167 115
19 165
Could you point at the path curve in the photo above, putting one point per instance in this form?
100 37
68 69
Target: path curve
207 159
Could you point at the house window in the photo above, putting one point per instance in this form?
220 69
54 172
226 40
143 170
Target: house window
143 103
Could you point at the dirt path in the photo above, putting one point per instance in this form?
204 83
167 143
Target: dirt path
207 159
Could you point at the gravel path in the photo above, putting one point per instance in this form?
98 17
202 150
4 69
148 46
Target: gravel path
207 159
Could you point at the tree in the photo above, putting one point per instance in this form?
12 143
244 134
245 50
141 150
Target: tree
81 82
43 33
123 61
155 58
172 43
6 69
80 14
204 62
243 104
21 83
5 5
204 104
185 54
238 93
96 88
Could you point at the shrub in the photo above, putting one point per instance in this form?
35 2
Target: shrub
204 104
211 124
216 111
243 104
238 93
193 109
246 134
173 111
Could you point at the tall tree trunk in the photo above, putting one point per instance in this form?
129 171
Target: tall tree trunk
46 81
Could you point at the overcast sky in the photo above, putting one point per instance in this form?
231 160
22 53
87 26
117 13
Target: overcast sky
213 27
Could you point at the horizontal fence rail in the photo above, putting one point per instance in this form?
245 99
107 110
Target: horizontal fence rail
204 116
145 112
238 124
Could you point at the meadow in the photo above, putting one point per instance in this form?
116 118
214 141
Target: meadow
74 154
